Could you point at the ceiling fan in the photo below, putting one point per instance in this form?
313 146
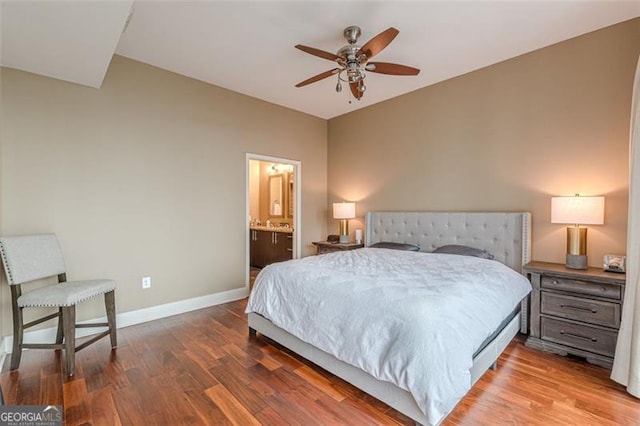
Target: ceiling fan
353 60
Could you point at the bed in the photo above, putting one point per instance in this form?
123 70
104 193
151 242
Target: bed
300 304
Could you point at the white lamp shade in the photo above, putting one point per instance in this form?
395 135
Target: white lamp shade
344 210
577 210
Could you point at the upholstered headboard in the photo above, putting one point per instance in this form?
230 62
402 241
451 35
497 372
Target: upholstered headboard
507 236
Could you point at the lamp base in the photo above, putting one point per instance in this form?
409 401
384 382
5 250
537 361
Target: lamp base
576 261
344 239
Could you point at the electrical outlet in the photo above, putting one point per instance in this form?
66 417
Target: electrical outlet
146 282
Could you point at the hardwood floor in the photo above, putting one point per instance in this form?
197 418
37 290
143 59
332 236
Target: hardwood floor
202 368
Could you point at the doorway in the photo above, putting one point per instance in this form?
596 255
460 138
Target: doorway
273 211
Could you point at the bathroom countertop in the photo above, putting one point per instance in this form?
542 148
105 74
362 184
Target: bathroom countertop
271 228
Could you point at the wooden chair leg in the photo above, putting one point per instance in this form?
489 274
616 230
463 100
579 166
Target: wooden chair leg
60 332
69 325
110 306
18 332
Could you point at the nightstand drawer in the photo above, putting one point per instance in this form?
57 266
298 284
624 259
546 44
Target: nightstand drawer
579 336
327 247
592 311
582 287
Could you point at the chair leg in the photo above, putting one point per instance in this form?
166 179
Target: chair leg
60 332
69 324
18 332
110 306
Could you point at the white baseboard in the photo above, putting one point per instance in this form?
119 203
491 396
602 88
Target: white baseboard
126 319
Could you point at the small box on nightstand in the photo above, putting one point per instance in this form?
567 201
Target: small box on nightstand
615 263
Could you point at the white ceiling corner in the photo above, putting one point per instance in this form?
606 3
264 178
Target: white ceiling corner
68 40
248 46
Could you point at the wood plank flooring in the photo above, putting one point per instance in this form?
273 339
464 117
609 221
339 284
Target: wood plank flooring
202 368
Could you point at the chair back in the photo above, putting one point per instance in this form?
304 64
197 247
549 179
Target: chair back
31 257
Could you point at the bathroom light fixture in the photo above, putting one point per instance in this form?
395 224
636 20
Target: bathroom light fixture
344 212
578 211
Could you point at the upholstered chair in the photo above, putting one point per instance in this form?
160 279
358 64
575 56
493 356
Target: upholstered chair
32 257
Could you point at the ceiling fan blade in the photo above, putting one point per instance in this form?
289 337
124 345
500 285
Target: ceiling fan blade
354 90
379 42
318 77
392 69
317 52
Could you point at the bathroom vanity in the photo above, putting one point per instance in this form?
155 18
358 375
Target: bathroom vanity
269 244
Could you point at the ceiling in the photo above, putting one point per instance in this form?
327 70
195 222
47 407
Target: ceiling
247 46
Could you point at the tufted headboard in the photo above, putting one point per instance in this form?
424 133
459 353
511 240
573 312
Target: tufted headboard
507 236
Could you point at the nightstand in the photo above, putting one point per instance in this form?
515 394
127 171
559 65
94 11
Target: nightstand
327 247
575 311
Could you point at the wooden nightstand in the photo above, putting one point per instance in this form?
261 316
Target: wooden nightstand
327 247
575 311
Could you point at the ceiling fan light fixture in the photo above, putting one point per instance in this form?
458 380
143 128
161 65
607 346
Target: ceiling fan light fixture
359 76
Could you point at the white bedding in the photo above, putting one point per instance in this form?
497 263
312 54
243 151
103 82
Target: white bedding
413 319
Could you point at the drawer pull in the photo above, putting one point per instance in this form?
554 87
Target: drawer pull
555 282
289 249
577 336
579 308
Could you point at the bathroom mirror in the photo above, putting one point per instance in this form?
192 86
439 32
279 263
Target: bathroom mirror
290 195
276 201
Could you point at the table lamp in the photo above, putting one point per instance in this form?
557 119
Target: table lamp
578 211
344 212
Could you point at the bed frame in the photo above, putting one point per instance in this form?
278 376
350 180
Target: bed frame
505 235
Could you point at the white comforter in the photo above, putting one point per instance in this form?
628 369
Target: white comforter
413 319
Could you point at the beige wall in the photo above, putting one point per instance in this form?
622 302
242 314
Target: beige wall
507 137
146 176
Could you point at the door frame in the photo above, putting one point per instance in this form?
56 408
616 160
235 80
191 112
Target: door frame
297 213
